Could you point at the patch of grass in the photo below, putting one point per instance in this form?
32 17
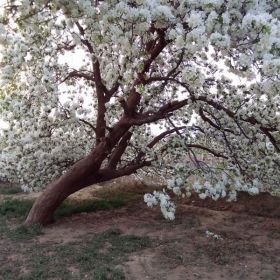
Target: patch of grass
107 200
3 227
15 208
130 243
174 254
105 250
98 258
118 195
9 190
42 266
18 233
221 253
23 232
108 273
9 271
19 208
191 222
69 208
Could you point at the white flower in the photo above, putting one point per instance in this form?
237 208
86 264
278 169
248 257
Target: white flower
202 195
219 40
214 71
177 190
253 191
25 188
213 235
150 200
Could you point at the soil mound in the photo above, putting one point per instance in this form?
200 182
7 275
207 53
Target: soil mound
264 204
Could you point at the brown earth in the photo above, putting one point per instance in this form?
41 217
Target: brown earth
247 247
263 205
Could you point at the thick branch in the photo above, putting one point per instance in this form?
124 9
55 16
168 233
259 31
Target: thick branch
84 41
271 138
119 150
157 139
155 51
101 109
101 90
252 120
107 173
78 74
134 97
163 112
113 90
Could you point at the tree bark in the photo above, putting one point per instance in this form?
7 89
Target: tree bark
44 207
82 174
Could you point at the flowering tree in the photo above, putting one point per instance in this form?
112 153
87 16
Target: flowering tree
110 88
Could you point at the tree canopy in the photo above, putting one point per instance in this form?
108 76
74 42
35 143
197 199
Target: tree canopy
142 86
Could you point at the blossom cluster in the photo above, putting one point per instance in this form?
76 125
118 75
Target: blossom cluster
207 71
167 207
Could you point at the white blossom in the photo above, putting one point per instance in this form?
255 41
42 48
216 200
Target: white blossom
204 70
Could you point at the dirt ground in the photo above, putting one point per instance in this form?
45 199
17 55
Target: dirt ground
207 240
249 247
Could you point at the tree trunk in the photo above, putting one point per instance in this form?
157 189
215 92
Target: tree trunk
83 173
80 175
44 207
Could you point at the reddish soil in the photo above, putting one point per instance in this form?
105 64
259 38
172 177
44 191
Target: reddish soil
263 205
248 246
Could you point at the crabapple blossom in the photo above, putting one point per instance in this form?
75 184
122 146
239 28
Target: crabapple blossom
95 90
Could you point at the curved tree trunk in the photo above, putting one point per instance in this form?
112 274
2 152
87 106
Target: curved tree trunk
44 207
82 174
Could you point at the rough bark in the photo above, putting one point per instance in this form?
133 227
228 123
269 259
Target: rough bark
44 207
80 175
88 170
84 173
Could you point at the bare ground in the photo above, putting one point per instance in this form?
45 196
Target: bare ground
248 244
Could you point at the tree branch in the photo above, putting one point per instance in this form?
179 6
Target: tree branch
154 52
163 135
78 74
163 112
119 150
157 139
216 154
101 109
88 124
84 41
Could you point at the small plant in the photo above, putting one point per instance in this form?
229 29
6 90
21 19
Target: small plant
18 208
69 208
108 273
213 235
23 232
10 190
97 257
15 208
